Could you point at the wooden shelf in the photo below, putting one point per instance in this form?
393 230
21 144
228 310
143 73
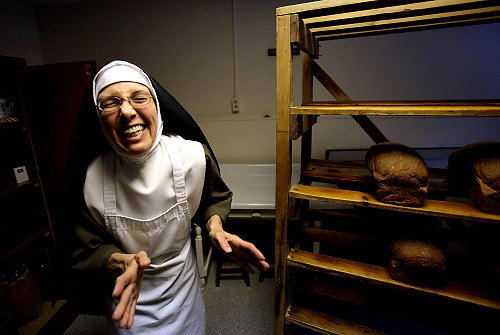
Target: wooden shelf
24 242
364 180
360 167
11 125
305 26
323 323
323 164
373 274
439 208
336 19
336 237
12 187
403 108
357 168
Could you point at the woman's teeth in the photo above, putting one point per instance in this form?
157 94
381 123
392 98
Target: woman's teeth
133 131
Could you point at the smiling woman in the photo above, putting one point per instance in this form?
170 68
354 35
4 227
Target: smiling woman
139 199
128 116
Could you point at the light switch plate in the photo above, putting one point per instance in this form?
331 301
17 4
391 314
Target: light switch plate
21 174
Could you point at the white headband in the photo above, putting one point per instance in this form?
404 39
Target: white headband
118 71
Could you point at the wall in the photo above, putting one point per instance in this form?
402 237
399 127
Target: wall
188 47
18 32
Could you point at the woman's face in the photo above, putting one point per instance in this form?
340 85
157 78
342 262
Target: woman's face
131 129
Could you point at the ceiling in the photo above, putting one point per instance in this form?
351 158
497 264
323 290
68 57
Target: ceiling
52 2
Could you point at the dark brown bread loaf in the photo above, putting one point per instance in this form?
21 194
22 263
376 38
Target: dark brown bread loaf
475 168
418 262
401 175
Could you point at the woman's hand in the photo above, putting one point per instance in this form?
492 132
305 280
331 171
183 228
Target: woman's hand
128 284
245 253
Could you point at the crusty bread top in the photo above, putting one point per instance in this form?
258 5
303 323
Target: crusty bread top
396 163
488 170
481 159
418 252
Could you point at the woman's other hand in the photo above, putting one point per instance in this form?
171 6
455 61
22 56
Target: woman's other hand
128 284
245 253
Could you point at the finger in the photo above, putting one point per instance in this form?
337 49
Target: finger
120 284
127 277
126 314
263 265
142 259
132 314
247 247
122 304
245 266
259 263
248 251
251 249
248 258
223 242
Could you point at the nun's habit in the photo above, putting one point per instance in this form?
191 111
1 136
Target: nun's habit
130 203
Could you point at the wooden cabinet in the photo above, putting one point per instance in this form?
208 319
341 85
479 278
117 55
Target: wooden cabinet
42 103
23 205
349 290
53 94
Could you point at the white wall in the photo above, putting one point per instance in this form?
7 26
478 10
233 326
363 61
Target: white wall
18 32
187 46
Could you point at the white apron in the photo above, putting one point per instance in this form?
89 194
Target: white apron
170 300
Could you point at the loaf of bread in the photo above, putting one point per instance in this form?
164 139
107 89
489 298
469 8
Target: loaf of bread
400 174
417 262
475 169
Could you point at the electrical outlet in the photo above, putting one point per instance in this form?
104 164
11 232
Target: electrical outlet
235 106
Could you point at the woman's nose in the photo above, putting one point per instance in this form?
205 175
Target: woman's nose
127 111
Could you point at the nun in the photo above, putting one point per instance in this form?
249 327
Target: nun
140 171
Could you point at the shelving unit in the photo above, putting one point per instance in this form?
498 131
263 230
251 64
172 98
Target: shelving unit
21 202
303 26
25 226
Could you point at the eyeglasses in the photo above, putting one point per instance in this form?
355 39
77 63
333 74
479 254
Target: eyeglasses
111 104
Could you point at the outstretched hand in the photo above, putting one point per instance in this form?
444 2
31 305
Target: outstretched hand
245 253
128 284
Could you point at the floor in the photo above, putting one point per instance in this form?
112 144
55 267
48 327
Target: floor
232 308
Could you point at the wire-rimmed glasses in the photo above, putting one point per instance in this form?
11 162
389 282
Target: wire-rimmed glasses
111 104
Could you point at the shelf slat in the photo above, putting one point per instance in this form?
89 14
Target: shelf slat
347 18
14 123
28 239
321 164
336 237
409 108
359 179
431 207
380 276
316 6
12 187
405 20
492 17
324 323
319 10
405 10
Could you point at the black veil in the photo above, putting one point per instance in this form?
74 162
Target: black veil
177 120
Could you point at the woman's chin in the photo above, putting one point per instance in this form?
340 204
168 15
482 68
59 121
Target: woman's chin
135 145
135 148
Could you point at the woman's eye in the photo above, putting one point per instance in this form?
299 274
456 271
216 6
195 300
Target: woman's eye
109 103
139 98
